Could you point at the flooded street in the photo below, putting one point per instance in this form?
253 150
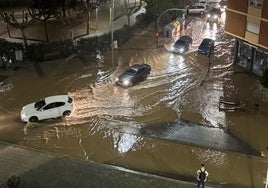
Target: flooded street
124 126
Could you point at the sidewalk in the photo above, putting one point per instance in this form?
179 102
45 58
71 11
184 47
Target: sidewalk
40 169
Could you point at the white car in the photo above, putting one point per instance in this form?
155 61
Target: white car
198 8
49 107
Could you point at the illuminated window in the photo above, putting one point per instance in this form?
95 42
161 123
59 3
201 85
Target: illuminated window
256 3
253 26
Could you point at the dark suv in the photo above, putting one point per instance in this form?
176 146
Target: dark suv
214 15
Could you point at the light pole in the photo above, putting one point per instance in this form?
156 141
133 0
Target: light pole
209 52
97 19
112 29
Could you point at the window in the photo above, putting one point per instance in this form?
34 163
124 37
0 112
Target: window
260 62
253 26
39 104
49 106
256 3
59 104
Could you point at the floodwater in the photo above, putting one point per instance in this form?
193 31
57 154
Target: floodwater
106 125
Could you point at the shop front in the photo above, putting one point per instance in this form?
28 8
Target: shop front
254 59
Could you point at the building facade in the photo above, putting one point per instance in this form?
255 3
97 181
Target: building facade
247 21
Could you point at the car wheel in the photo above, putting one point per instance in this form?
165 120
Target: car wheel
33 119
66 113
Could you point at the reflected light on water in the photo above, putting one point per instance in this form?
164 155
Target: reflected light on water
124 142
211 111
175 63
212 157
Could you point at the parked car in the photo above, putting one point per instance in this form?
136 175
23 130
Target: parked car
206 46
182 44
197 9
214 15
49 107
133 75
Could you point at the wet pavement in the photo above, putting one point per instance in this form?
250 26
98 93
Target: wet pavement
193 134
41 169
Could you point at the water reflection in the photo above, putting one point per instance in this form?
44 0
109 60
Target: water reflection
213 158
125 142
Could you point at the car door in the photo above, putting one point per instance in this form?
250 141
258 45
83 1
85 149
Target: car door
49 111
61 106
143 73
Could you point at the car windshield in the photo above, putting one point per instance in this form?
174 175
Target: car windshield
131 71
39 104
180 42
216 11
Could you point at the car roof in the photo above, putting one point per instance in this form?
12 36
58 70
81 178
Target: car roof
137 66
198 4
56 98
207 40
185 38
214 9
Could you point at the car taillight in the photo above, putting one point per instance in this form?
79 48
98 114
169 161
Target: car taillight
72 105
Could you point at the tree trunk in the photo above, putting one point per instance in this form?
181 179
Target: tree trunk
128 19
45 25
24 40
87 14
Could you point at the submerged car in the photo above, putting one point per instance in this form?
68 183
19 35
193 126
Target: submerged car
206 46
182 44
214 15
133 75
49 107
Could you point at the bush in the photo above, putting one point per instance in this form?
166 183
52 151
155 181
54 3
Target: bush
38 51
13 181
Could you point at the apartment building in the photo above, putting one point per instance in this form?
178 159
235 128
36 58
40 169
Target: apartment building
247 21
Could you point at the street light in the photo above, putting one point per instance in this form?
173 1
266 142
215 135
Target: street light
112 29
209 52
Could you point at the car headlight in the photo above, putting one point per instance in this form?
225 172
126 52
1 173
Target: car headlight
126 82
181 50
23 116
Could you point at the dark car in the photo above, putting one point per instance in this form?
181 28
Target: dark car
206 46
182 44
134 75
223 4
214 15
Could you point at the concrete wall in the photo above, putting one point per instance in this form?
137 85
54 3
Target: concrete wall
239 5
235 23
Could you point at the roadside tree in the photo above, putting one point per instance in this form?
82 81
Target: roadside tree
43 10
21 23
